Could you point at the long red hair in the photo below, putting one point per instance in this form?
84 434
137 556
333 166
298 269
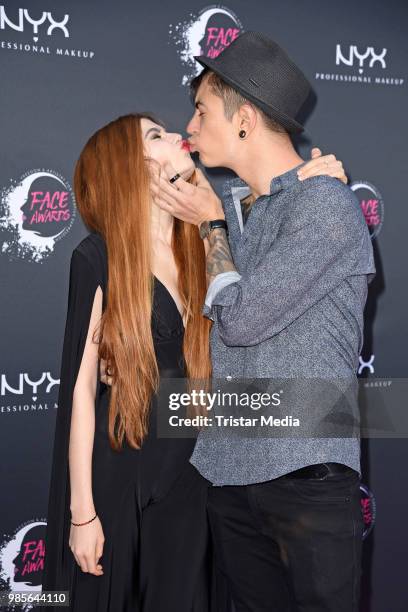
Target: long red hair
112 189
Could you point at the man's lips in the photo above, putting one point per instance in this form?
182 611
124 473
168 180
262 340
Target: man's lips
191 146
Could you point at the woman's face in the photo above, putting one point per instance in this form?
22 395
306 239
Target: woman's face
167 148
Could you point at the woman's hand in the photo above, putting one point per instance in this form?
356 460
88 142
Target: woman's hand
86 543
323 165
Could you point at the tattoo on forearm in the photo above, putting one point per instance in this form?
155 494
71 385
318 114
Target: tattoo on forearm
219 258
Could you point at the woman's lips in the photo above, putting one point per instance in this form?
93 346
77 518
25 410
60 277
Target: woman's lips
185 145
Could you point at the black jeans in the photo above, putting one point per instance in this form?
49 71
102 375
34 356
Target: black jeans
290 544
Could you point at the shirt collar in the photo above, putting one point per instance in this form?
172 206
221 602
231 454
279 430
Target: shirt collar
285 180
234 190
237 187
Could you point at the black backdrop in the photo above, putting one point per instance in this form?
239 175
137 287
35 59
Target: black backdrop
69 67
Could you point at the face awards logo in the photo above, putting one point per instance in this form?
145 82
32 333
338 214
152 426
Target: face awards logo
368 508
22 558
36 212
207 33
372 205
366 65
33 392
38 28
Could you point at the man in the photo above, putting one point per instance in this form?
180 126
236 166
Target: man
287 289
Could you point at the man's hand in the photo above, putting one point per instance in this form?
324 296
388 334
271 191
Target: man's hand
323 164
105 378
191 203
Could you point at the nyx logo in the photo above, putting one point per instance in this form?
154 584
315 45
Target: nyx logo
366 364
24 18
24 379
354 53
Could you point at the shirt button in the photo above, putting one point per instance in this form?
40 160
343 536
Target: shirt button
229 377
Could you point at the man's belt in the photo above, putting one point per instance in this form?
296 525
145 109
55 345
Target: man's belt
319 471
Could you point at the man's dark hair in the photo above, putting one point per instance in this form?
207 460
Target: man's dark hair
232 99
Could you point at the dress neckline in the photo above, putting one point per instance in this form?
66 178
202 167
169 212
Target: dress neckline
171 297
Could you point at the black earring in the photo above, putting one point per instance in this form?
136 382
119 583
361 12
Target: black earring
242 133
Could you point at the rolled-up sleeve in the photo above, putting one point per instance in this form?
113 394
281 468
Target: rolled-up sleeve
219 282
296 272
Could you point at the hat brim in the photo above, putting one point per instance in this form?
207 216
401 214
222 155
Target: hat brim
293 126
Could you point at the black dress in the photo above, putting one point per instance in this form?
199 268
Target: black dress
151 502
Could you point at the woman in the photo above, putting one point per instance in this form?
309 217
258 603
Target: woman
127 528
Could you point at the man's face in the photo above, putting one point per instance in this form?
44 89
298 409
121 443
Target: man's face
212 135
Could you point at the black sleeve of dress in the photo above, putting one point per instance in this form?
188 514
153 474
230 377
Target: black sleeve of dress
59 560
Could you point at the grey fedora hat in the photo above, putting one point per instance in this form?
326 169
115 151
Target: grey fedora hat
259 69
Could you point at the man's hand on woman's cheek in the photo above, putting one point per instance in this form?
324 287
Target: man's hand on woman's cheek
190 203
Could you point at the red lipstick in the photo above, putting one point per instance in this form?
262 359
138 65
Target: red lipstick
185 145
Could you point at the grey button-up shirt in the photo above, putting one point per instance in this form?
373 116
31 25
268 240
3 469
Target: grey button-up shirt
293 309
